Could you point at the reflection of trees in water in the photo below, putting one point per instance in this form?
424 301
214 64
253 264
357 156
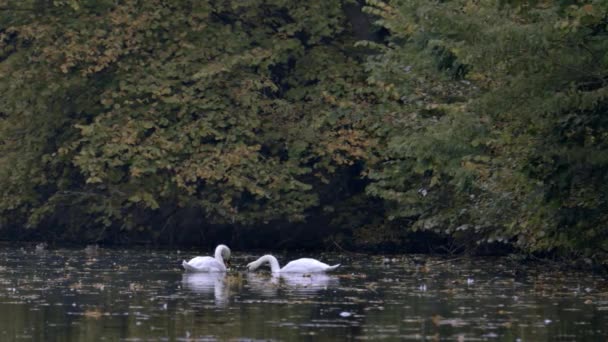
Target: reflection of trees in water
269 285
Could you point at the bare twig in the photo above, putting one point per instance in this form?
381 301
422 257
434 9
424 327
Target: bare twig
446 261
344 250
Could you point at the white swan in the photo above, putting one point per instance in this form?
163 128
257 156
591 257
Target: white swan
304 265
209 264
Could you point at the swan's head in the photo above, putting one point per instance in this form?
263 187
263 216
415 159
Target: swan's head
252 266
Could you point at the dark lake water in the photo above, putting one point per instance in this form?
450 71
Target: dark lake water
143 295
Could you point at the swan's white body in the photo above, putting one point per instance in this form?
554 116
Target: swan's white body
304 265
208 264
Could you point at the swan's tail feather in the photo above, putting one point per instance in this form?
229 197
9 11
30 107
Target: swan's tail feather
331 268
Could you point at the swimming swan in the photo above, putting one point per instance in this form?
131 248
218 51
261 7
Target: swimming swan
209 264
304 265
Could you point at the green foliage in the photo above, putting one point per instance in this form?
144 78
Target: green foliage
117 109
500 120
480 121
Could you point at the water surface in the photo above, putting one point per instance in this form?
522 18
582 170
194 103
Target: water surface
142 295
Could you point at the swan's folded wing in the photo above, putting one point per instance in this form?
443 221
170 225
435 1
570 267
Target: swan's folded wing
307 265
190 268
201 261
206 265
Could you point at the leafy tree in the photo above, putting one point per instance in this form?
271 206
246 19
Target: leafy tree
480 121
124 112
500 132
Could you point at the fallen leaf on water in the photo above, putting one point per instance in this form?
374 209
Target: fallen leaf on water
76 286
135 287
93 313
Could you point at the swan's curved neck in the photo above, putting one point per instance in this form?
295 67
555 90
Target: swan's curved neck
274 263
218 253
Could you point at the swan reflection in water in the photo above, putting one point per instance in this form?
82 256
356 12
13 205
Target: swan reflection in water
208 283
268 285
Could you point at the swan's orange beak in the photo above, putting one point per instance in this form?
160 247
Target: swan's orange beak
228 264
